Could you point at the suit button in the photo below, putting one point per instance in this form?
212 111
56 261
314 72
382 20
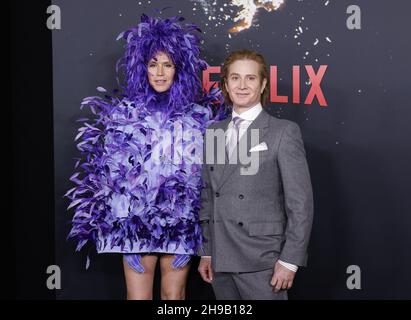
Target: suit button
241 196
211 168
217 194
240 224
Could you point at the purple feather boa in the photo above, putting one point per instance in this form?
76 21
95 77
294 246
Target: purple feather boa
123 200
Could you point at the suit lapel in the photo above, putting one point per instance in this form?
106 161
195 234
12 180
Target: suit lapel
219 168
261 123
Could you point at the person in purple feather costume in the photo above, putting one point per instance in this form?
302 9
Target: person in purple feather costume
138 182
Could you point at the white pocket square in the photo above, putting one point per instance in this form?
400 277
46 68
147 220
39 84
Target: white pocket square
259 147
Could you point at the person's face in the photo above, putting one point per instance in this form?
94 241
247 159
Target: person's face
244 85
161 72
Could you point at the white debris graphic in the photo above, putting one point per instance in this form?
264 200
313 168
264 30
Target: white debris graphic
249 8
209 8
243 14
221 11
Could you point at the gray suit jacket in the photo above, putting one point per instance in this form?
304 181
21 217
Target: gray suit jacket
249 221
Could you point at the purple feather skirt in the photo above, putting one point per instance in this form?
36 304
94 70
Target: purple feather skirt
139 181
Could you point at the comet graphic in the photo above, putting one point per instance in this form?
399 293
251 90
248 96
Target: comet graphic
218 11
245 17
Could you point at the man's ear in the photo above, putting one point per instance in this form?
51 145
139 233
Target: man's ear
263 85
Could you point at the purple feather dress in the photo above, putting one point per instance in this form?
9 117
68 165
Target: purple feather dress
153 178
138 181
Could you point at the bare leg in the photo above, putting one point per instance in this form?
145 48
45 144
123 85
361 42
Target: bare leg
140 285
173 281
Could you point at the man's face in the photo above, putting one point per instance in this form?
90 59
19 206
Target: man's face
243 84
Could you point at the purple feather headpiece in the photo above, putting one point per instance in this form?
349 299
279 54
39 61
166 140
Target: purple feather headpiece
180 42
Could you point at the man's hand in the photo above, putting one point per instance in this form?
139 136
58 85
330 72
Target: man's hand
205 269
282 278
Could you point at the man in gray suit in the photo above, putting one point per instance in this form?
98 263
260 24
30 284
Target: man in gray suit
256 227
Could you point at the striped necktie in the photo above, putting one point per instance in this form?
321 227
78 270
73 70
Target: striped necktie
233 141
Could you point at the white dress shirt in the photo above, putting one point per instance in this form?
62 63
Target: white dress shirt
248 117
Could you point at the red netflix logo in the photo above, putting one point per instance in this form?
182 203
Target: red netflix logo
315 79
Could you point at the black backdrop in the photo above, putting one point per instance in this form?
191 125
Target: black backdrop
358 147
